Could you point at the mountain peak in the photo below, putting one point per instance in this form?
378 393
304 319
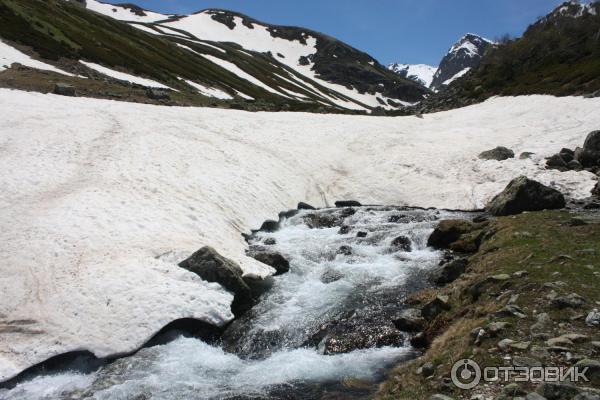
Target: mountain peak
464 55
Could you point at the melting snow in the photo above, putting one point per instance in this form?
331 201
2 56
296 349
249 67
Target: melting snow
10 55
102 188
122 13
210 92
122 76
459 74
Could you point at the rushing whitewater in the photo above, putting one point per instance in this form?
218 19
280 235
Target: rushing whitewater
348 269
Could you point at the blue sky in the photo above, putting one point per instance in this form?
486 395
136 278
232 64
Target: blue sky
411 31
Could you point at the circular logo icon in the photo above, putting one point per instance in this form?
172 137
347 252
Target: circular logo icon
466 374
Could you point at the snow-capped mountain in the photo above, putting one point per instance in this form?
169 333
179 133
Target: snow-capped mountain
216 54
462 56
421 73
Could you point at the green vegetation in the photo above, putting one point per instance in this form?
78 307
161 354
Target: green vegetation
559 257
558 55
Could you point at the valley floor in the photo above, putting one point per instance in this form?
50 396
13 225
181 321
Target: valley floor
101 199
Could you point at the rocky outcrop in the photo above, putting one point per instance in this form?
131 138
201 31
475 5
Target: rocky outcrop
586 157
523 194
449 272
449 231
499 153
208 264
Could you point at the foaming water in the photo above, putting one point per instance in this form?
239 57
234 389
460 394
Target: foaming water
268 352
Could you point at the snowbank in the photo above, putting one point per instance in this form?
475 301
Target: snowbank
101 199
9 55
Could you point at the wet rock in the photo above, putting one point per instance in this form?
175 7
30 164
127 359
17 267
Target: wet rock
572 300
556 162
274 260
593 318
321 221
523 194
305 206
449 231
410 320
401 243
435 307
213 267
567 154
347 203
525 155
557 391
592 142
500 153
345 250
351 334
63 89
331 276
574 165
344 229
361 234
269 226
596 190
449 272
270 241
468 243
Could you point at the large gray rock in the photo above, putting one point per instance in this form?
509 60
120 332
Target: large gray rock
499 154
592 142
213 267
523 194
449 231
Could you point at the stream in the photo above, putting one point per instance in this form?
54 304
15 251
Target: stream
322 330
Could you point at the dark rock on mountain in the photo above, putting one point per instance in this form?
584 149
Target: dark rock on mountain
499 153
213 267
361 234
464 54
592 142
64 90
596 190
272 259
523 194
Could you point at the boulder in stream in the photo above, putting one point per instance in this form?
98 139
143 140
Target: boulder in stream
209 265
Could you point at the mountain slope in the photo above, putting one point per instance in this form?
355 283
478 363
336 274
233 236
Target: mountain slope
462 56
557 55
421 73
213 57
